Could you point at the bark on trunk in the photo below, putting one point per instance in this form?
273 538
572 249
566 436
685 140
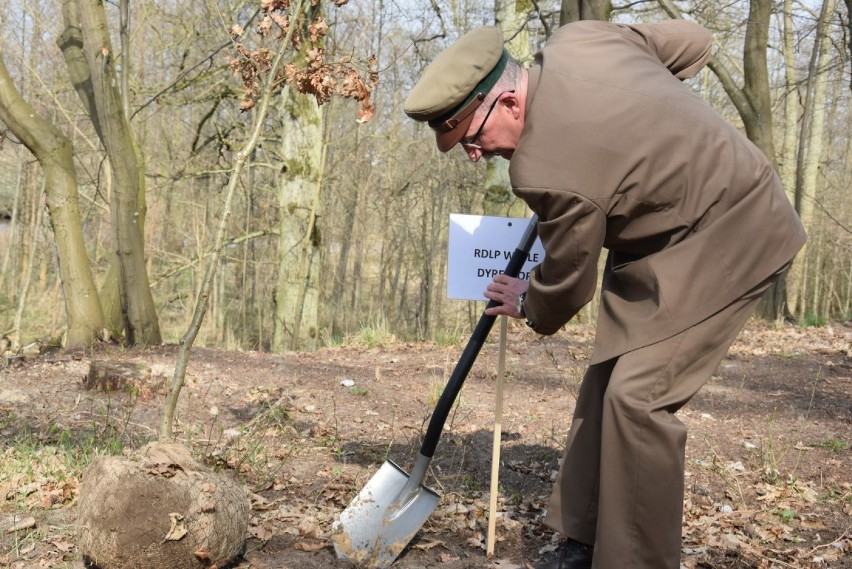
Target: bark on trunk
71 45
299 261
127 209
787 158
55 152
849 36
576 10
758 122
811 145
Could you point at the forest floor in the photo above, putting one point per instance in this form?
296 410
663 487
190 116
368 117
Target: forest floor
769 464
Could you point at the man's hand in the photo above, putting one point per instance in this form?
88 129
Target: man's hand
505 290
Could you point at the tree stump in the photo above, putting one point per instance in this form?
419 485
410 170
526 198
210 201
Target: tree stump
115 376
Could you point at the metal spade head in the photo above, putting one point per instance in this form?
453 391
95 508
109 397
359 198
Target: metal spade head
380 521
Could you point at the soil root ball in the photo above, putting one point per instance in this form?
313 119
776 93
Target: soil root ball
159 509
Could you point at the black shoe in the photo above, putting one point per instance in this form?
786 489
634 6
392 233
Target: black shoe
570 554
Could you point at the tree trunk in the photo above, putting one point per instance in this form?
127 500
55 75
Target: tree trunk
27 269
758 122
297 291
127 209
787 159
752 101
71 45
85 319
353 222
10 255
849 35
811 141
576 10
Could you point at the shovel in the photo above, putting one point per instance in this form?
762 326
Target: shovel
380 521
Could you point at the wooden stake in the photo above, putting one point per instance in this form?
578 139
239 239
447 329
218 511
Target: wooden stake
495 448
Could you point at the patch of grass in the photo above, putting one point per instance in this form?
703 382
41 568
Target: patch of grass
41 475
264 441
434 392
515 498
51 454
331 339
436 389
834 445
7 419
357 390
768 456
837 495
448 338
467 484
812 320
375 334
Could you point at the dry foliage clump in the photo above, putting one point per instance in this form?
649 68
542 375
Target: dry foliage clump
310 72
159 509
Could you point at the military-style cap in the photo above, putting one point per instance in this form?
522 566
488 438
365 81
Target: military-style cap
455 83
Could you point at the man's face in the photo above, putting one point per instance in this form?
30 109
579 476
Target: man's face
493 135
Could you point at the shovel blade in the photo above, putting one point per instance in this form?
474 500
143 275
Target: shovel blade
375 527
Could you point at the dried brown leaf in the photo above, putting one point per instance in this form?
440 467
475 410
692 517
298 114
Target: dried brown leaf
63 546
163 469
306 546
260 532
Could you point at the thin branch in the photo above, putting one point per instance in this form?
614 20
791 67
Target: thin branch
208 60
229 243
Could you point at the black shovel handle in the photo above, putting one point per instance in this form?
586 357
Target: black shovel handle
477 339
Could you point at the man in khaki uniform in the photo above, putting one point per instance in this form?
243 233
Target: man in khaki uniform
612 151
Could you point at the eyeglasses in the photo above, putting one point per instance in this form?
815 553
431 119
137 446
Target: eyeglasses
470 143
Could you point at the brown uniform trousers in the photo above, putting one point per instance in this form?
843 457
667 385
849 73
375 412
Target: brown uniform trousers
621 483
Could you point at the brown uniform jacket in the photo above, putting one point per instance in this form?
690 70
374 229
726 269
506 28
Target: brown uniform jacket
617 153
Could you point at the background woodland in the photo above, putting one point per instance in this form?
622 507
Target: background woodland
338 220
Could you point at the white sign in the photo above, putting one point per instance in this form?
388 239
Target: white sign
479 248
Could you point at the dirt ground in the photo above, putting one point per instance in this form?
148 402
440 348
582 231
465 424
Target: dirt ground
769 475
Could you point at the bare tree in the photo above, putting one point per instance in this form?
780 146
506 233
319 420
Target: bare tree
299 201
811 137
55 153
849 36
99 91
262 71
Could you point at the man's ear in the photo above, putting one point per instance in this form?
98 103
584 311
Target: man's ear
511 101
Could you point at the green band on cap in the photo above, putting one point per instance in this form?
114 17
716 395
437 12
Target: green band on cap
483 87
